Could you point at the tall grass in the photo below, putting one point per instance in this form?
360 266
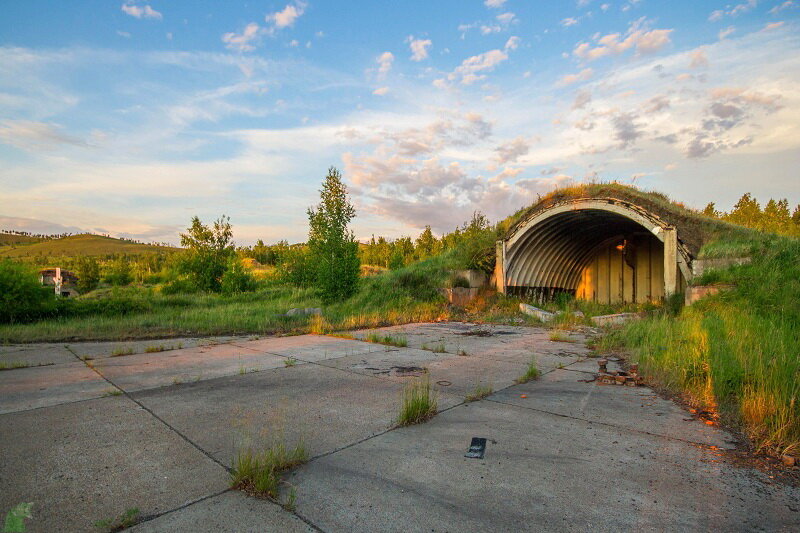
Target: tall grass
735 353
259 472
418 403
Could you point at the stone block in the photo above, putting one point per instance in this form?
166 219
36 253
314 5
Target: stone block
699 292
612 320
541 314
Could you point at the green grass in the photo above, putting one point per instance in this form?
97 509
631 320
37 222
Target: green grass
123 521
259 472
479 393
121 351
736 353
389 340
112 392
418 402
559 336
531 373
435 348
290 362
20 364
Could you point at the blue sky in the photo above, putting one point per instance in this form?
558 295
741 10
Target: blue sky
129 117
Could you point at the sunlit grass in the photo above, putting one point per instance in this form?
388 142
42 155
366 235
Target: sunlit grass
418 402
735 354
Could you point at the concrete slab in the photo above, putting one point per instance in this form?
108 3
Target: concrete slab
229 512
149 370
29 388
311 348
541 472
83 462
389 362
100 350
635 408
326 407
36 354
465 374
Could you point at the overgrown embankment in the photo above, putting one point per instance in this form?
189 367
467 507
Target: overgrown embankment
736 354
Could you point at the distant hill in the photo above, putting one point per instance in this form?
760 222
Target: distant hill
73 246
9 238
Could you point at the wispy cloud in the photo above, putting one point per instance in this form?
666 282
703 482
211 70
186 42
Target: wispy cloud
133 9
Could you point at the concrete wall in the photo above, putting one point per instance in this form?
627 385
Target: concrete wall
635 276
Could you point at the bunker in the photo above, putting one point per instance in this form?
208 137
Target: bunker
601 249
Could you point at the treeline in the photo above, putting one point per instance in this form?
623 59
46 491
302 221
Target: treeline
775 216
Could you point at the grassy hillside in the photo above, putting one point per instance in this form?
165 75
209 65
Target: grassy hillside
79 245
7 239
735 355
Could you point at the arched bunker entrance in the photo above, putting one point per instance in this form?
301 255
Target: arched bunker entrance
599 249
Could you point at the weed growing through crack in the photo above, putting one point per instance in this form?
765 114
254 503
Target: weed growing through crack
290 362
418 402
119 351
559 336
435 348
123 521
291 500
155 348
177 381
112 392
463 353
259 473
18 364
389 340
480 392
531 373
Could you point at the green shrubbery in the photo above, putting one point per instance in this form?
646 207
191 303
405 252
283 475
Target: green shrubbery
22 297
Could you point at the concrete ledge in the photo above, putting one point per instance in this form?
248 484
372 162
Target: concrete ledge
613 320
701 265
459 296
541 314
698 292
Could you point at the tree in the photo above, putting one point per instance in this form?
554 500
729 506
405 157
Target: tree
711 210
426 244
331 243
208 252
88 274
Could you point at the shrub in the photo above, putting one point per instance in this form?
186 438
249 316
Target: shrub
88 274
418 403
22 297
120 273
296 267
458 281
208 252
237 278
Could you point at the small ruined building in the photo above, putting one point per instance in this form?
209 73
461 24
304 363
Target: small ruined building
62 281
601 249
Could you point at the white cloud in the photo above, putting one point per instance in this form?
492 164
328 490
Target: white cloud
569 21
419 48
726 32
384 61
773 26
734 11
494 3
780 7
287 16
35 136
245 41
638 37
140 12
512 150
470 68
124 34
583 75
699 59
512 43
381 91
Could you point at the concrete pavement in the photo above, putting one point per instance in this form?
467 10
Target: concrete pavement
86 440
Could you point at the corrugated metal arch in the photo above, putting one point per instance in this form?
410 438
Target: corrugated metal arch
551 247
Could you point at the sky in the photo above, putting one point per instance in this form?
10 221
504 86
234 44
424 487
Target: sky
129 117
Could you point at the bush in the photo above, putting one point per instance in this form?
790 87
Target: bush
88 274
458 281
120 273
237 279
22 297
180 286
297 267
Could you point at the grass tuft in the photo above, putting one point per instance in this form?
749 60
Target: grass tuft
480 392
259 473
418 402
531 373
435 348
119 351
389 340
123 521
290 362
